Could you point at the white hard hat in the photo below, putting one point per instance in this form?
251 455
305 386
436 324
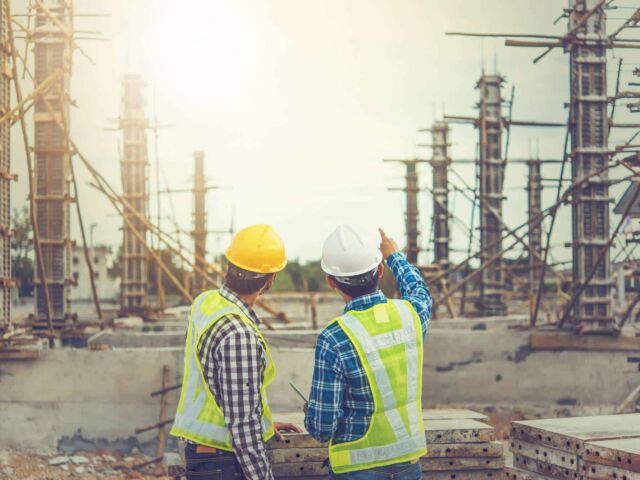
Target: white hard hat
344 254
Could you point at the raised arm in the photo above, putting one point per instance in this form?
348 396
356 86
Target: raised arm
410 281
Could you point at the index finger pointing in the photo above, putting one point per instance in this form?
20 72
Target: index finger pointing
382 234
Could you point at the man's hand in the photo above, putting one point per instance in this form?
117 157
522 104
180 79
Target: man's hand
388 246
285 427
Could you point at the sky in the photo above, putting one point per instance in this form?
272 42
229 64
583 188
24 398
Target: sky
297 102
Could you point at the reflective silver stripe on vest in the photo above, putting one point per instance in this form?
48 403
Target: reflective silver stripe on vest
413 369
406 442
188 418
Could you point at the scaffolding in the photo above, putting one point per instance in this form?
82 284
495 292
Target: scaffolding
491 171
134 170
5 175
440 191
199 222
53 51
592 311
534 210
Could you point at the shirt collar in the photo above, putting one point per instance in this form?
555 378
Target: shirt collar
365 302
244 307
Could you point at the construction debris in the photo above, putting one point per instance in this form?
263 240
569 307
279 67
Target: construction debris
603 447
461 447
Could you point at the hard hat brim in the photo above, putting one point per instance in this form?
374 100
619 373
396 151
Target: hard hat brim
266 269
336 272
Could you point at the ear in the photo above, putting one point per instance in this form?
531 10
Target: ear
269 283
381 270
330 282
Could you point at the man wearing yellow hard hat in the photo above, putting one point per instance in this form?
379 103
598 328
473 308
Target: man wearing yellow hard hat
223 412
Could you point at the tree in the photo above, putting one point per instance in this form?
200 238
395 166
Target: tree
21 251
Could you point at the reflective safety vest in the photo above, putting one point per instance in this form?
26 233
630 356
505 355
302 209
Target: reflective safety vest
199 418
388 340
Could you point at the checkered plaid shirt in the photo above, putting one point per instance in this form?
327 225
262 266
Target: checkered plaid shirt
341 402
233 360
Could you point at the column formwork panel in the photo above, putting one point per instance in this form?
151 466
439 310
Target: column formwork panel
52 52
491 171
134 169
5 175
440 187
592 311
534 211
199 222
411 213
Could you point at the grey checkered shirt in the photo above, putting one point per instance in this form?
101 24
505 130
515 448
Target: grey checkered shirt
233 361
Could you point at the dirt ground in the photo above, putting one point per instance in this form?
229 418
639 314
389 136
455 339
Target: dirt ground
88 466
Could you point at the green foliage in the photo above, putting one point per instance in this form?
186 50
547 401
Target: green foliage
21 251
298 277
172 262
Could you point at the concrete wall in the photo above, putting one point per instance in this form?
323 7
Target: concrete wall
73 399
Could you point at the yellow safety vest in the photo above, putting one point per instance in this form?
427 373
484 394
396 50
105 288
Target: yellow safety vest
199 418
388 340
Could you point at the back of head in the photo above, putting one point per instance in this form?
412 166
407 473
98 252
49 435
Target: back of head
352 263
256 253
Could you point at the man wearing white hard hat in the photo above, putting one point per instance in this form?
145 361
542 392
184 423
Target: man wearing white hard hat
366 392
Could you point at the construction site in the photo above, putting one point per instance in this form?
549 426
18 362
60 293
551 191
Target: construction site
524 224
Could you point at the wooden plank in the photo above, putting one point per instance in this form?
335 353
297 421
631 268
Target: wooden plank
544 468
316 468
517 474
19 354
621 453
570 434
545 454
597 471
567 341
468 463
458 431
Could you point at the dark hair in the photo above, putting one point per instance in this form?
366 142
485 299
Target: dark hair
243 281
359 285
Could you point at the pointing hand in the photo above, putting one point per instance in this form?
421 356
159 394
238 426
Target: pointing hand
388 245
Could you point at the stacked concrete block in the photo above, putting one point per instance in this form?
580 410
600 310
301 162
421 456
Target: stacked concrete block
579 448
461 447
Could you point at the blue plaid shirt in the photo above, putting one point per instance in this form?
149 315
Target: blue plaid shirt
341 402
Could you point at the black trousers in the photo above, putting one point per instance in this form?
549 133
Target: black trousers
211 466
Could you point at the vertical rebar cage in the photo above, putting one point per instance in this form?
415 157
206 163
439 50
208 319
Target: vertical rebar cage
199 222
440 186
491 169
134 169
5 175
51 152
534 210
411 214
587 46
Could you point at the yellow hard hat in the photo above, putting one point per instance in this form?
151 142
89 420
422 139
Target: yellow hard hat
257 248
